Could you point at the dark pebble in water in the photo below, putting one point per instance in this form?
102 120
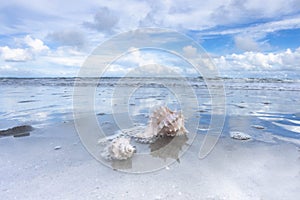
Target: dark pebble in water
22 134
239 106
266 103
17 131
27 101
101 114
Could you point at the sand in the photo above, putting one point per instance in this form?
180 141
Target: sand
34 168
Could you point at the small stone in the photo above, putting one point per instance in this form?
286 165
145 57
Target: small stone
57 147
258 127
240 106
167 168
266 103
239 135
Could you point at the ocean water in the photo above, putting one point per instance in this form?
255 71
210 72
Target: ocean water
267 109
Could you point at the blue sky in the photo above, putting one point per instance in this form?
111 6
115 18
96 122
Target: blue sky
51 38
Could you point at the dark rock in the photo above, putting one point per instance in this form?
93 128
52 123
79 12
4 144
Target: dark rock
22 134
17 131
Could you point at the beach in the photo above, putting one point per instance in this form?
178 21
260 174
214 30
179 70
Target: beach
52 162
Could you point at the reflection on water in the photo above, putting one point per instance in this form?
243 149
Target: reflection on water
271 103
121 164
168 147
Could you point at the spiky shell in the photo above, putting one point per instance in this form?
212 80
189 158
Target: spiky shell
119 149
163 122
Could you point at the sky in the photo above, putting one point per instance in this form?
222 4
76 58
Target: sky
247 38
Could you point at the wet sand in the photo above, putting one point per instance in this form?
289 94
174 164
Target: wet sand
32 168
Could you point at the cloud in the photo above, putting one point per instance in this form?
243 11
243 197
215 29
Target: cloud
135 57
104 20
210 14
117 70
286 60
15 55
150 62
247 24
261 29
30 48
36 45
155 70
249 11
148 70
67 38
122 16
65 56
65 61
6 67
246 43
190 51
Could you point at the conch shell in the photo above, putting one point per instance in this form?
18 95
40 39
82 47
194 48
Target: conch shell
164 122
119 149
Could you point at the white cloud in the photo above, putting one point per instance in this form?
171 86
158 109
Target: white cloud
67 38
6 67
260 30
286 60
155 70
15 55
135 57
66 56
148 62
104 20
239 12
31 48
246 43
190 51
61 26
36 45
117 70
127 15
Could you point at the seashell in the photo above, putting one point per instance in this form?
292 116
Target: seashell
119 149
164 122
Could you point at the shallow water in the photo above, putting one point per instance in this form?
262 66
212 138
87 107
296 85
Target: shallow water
273 104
